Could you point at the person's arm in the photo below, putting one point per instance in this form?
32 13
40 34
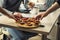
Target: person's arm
5 13
52 8
49 10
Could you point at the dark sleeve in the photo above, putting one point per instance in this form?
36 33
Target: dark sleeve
58 1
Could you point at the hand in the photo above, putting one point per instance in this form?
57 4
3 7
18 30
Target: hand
41 15
11 16
17 15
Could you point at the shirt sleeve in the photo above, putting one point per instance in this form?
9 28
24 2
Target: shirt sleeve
58 1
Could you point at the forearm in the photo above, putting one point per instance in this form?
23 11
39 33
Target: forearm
55 6
4 12
52 8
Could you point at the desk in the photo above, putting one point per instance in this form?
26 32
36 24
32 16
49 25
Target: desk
48 22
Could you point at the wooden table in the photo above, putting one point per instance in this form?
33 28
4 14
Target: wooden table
48 22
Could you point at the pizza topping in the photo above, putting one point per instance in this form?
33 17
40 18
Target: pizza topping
24 18
29 21
22 23
29 24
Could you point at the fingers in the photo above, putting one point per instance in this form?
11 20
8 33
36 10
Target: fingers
41 17
13 17
17 16
38 17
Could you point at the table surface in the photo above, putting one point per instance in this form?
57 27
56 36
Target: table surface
48 22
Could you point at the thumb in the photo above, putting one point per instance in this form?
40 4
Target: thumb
12 16
41 17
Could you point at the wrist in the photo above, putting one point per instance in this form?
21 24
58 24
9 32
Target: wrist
45 13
